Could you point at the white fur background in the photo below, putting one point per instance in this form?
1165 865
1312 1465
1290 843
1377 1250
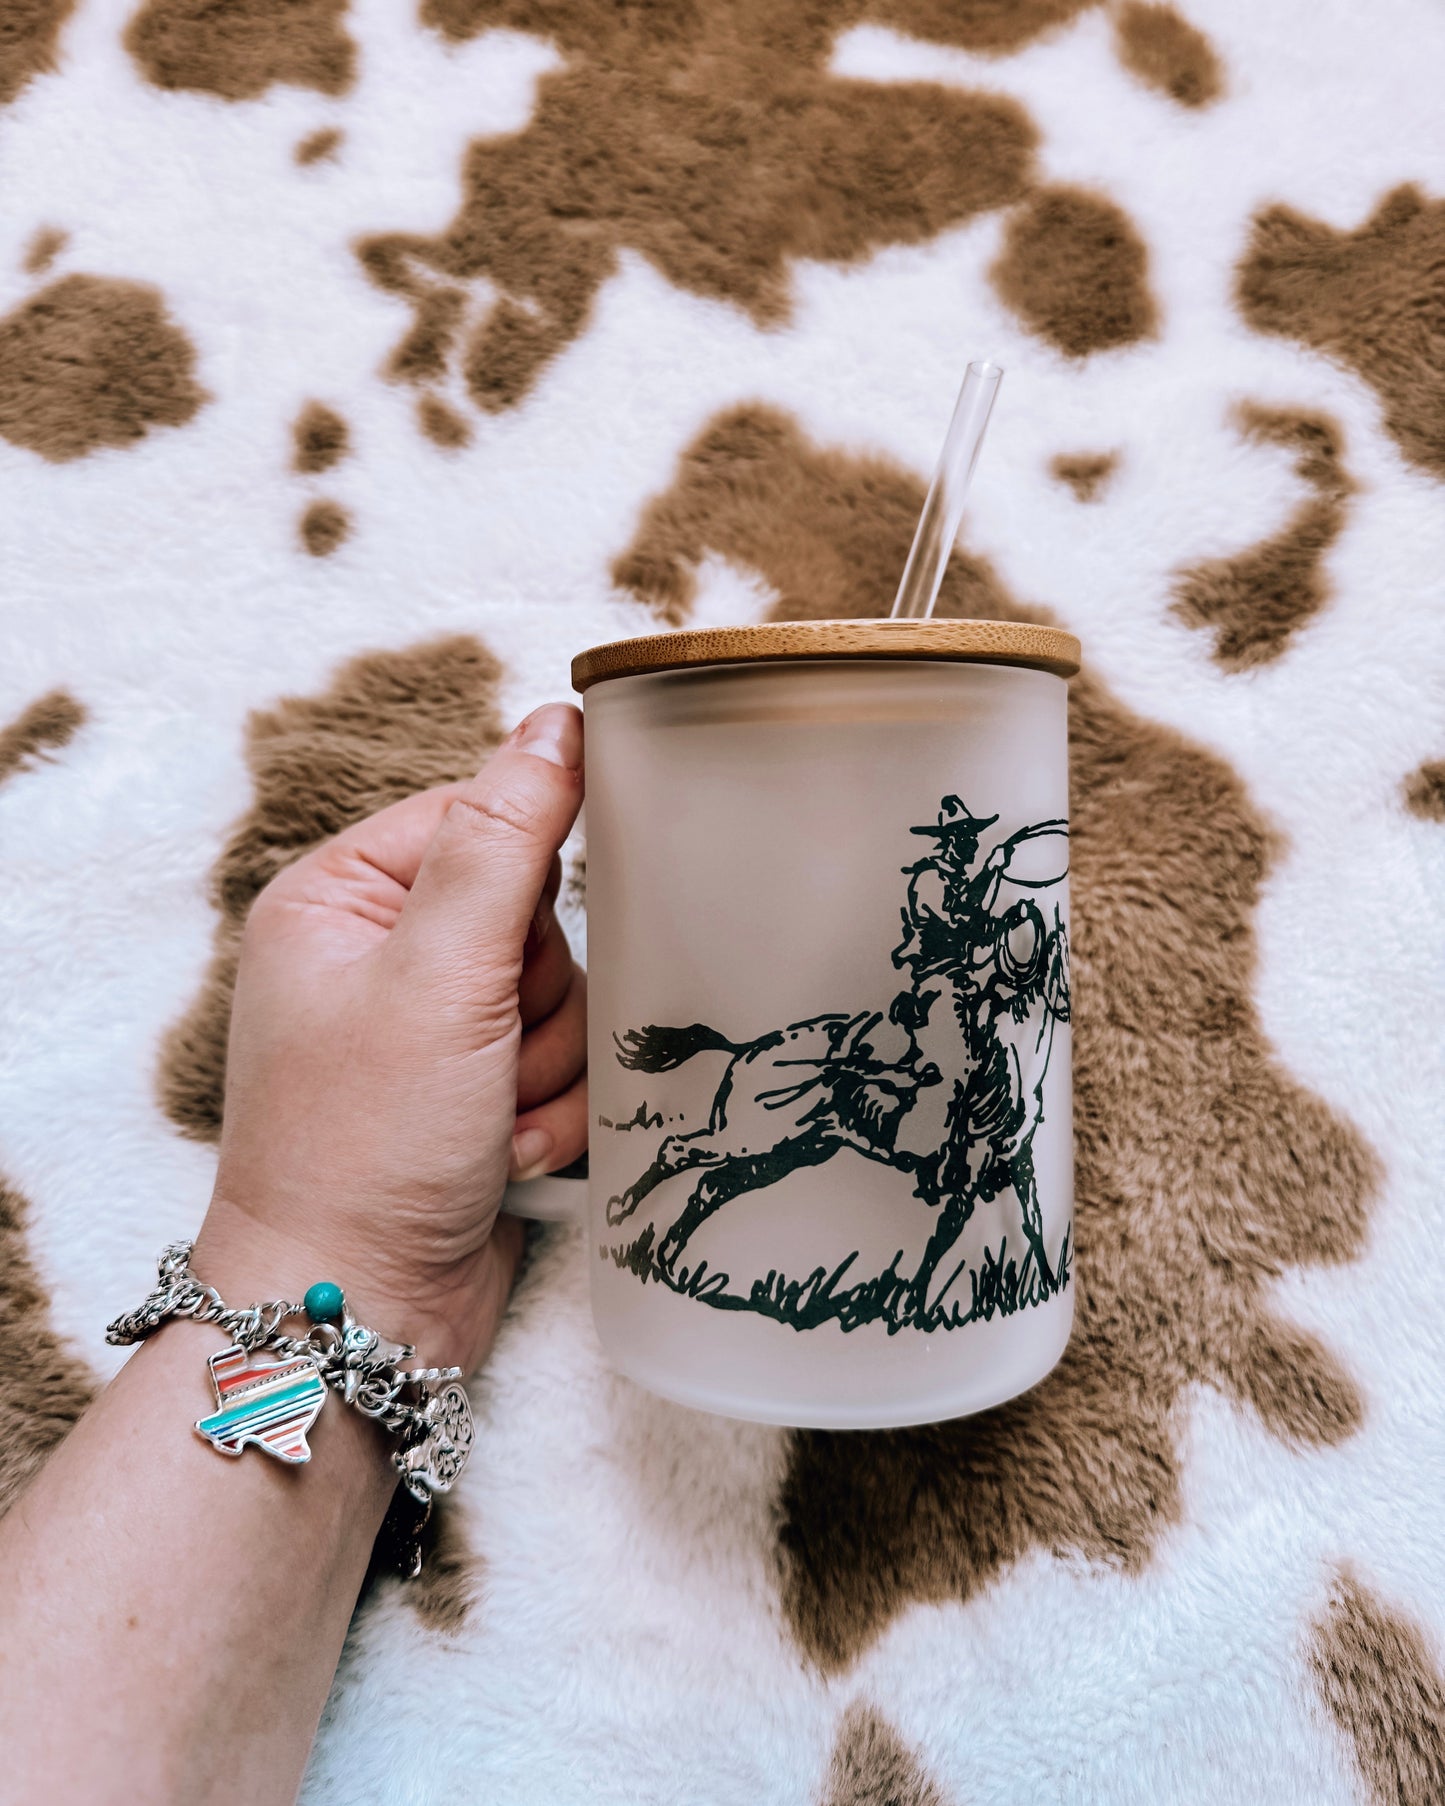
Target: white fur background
628 1644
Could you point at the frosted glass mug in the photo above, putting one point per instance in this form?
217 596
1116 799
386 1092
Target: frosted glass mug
831 1163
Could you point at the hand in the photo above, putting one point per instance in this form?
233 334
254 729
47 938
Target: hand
408 1028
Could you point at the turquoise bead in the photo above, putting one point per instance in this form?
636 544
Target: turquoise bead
324 1302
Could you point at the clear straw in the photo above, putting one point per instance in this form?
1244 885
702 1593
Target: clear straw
938 524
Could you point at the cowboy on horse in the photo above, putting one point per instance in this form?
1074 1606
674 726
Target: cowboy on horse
796 1096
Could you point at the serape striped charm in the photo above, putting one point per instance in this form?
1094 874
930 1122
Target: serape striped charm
272 1404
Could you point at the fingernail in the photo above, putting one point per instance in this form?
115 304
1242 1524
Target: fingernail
553 732
530 1151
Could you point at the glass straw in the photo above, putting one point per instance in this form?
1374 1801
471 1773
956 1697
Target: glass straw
938 524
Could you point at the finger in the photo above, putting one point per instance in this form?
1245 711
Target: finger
484 873
545 910
555 1051
554 880
551 1136
546 967
370 866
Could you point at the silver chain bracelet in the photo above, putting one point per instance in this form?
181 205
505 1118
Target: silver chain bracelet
273 1404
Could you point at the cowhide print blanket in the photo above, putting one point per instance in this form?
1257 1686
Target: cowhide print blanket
358 365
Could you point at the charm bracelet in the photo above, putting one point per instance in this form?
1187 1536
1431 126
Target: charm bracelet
274 1403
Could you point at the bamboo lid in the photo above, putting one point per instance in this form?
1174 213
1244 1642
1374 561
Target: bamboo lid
967 642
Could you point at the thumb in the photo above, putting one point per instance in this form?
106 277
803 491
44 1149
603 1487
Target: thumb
465 922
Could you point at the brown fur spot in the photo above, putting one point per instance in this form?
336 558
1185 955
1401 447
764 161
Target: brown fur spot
1256 599
443 1593
324 526
43 1386
1373 299
1168 53
872 1766
991 27
426 349
1382 1684
238 49
1203 1170
29 34
1075 271
390 724
43 250
831 535
322 439
49 721
714 141
441 424
1086 473
1425 791
92 361
320 146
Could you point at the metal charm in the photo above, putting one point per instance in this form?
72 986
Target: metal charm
433 1464
178 1293
270 1403
360 1353
275 1403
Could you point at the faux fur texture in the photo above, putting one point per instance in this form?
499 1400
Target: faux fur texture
1076 272
1425 791
321 439
240 48
43 250
1374 298
29 32
714 140
49 722
1169 53
444 426
626 315
43 1387
1255 600
323 527
92 361
1086 473
318 146
871 1767
1383 1686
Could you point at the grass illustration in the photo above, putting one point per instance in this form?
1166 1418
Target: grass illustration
998 1286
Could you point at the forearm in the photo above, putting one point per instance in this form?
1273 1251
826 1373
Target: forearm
171 1619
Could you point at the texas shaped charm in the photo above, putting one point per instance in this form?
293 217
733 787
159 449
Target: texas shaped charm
272 1404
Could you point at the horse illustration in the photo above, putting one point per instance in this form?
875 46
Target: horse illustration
987 988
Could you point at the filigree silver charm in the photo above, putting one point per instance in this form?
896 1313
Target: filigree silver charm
434 1464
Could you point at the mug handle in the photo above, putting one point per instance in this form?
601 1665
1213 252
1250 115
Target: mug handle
550 1199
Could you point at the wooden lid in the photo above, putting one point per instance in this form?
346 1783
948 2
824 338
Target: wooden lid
969 642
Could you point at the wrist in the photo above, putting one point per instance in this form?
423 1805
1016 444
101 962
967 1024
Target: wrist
250 1260
276 1403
